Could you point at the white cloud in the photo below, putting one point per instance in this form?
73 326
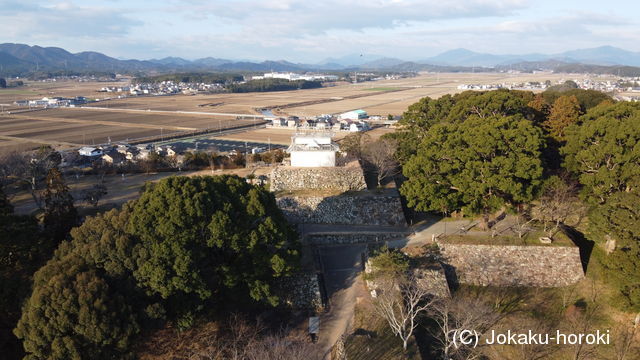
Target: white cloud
311 30
58 20
300 17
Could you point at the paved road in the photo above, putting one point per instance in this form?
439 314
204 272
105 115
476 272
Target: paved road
342 265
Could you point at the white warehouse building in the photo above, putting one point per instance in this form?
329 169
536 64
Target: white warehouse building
313 150
353 115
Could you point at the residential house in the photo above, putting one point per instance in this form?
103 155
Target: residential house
114 158
90 151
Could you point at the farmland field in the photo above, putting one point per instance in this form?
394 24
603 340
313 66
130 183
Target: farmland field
69 127
37 90
156 116
376 97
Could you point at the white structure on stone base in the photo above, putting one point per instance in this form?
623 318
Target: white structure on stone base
313 150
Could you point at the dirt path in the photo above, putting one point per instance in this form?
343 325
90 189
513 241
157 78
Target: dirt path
342 265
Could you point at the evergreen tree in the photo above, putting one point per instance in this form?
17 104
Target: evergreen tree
60 214
186 245
490 103
604 152
618 219
477 165
206 236
74 313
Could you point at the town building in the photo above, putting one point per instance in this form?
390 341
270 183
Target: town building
313 150
353 115
90 151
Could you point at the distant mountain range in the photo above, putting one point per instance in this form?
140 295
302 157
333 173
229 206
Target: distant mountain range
604 55
20 59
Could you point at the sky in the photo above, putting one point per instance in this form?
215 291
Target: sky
311 31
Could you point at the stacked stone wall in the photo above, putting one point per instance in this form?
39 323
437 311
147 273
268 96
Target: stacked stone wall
351 238
303 292
345 209
531 266
345 178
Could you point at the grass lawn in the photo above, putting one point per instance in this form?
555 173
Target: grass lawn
530 239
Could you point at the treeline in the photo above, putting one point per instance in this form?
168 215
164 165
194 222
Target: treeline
620 70
478 152
9 84
42 75
264 85
209 78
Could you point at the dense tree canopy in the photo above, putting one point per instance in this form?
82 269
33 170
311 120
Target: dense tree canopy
186 245
619 219
604 151
587 98
477 165
428 112
74 313
264 85
490 103
198 235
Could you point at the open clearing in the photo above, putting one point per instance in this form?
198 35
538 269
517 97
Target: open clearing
158 116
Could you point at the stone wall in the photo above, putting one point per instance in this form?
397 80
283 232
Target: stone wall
303 291
493 265
344 178
429 278
351 209
351 238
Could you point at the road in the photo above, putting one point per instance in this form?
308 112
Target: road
342 265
